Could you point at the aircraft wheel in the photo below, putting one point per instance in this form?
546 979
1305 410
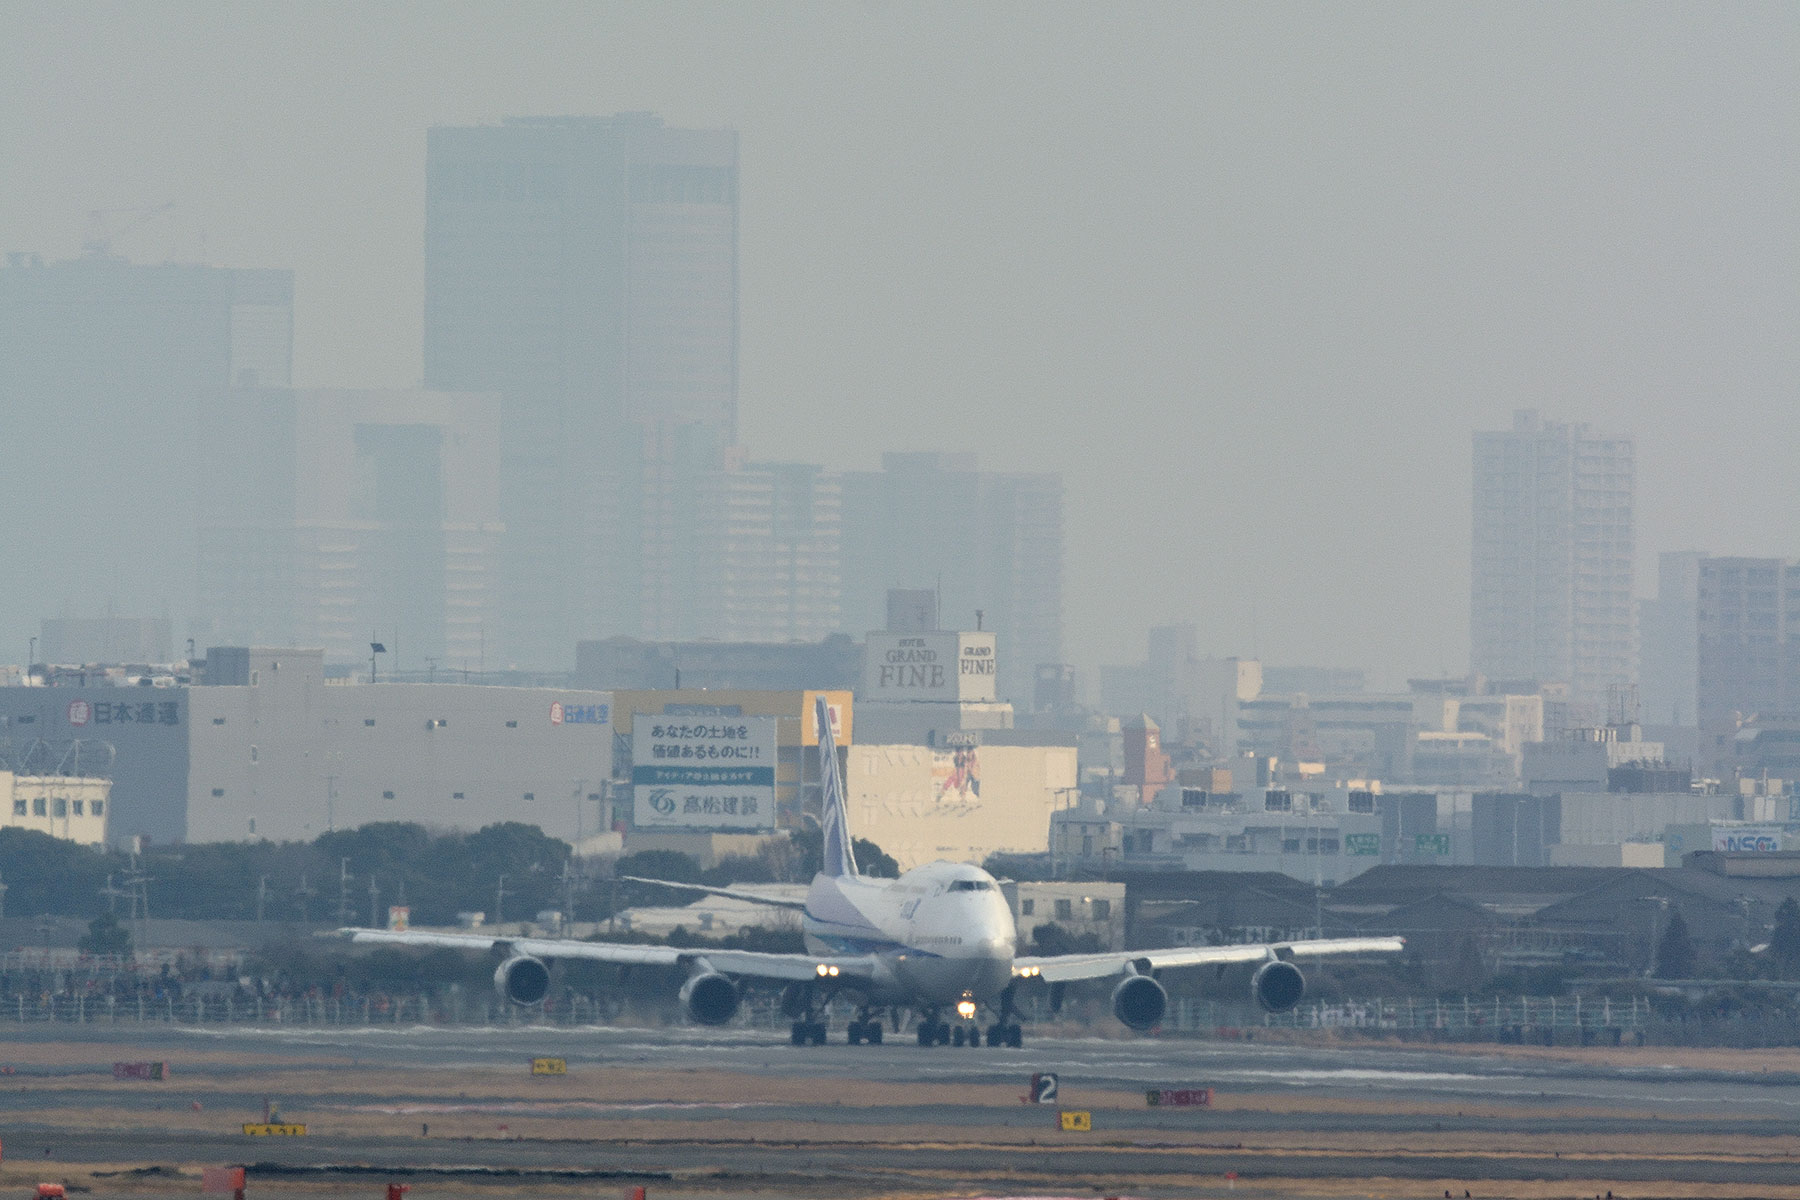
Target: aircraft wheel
996 1035
797 1036
1015 1037
927 1033
956 1036
856 1033
872 1031
818 1033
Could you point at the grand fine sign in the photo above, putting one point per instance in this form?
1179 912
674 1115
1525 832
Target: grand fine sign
930 666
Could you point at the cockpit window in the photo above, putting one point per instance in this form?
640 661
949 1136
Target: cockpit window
971 885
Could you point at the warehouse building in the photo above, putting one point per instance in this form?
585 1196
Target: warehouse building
261 745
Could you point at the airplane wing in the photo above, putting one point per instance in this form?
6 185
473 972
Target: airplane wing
1063 968
728 893
744 963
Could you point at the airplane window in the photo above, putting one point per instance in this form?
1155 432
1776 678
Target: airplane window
971 885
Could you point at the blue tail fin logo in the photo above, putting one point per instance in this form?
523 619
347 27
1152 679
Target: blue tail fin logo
834 813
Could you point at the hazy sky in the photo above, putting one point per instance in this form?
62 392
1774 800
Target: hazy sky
1247 275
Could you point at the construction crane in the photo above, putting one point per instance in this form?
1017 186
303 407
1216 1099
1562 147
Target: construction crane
97 241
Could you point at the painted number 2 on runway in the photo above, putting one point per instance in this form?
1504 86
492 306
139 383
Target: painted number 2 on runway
1043 1089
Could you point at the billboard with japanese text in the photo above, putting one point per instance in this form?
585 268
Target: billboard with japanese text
703 772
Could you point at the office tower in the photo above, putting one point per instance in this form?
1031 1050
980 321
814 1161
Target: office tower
1747 654
102 365
1551 596
987 541
1669 625
332 518
585 269
767 556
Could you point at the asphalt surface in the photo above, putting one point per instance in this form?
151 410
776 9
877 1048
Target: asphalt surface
1386 1094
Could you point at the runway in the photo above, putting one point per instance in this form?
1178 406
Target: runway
696 1112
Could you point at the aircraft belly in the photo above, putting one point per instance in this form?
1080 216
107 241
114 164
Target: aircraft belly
934 980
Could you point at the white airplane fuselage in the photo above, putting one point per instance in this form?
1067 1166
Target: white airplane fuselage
942 933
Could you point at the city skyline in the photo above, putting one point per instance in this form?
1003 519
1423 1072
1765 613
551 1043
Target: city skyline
1657 291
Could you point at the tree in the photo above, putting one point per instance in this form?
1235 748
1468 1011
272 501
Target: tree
810 845
105 936
1051 939
1784 939
1675 952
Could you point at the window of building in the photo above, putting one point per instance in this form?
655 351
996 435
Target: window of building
1103 910
387 795
456 795
62 806
76 807
1328 845
218 720
1362 802
1065 909
1027 907
40 807
253 754
512 724
369 721
18 808
531 795
99 808
218 791
1290 845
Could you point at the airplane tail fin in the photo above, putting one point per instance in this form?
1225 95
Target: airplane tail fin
834 812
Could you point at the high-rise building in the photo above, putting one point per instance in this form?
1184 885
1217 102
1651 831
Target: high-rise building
1748 641
1551 595
103 364
585 268
332 518
1669 624
986 541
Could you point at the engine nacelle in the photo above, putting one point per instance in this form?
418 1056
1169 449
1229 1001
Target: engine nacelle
522 979
1277 986
1139 1001
710 998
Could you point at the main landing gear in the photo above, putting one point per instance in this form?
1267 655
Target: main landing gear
808 1033
934 1032
866 1028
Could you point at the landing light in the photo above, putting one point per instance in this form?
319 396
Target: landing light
965 1009
1028 972
825 969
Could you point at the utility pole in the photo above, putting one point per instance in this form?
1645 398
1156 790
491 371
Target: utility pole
344 892
374 902
499 898
304 893
262 897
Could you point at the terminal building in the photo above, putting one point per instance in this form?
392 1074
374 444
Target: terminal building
259 745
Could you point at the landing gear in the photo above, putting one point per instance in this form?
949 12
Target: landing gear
808 1033
865 1029
1003 1034
933 1032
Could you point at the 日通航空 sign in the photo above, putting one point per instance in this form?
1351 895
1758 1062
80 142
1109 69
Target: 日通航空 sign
703 772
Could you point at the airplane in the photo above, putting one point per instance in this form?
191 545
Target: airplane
939 941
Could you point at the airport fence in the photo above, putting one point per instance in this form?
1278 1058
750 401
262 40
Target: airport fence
1548 1020
1540 1020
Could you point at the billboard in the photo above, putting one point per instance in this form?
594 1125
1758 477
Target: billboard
930 666
956 775
703 772
1750 839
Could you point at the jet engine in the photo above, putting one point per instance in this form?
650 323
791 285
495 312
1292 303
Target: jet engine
710 998
1139 1001
1277 986
522 979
